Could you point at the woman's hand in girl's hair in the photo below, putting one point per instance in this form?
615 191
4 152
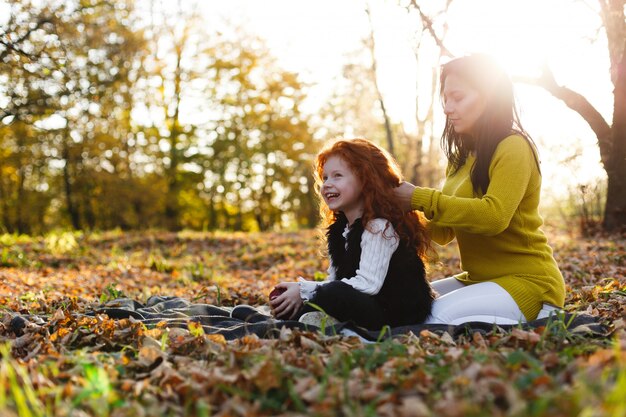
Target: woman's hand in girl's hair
404 192
286 305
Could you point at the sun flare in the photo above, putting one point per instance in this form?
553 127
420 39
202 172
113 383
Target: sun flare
521 39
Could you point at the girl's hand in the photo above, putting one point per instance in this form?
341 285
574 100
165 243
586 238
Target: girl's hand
287 305
404 192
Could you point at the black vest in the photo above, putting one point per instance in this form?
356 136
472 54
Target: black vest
406 296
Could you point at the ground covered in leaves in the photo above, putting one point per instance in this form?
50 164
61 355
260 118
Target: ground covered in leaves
72 365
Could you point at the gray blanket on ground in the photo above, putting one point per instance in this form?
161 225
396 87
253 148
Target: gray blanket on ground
242 320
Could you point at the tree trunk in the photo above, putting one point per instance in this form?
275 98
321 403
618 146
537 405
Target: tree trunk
6 218
89 212
260 219
312 213
22 226
372 47
172 208
415 175
211 214
424 174
237 224
388 131
615 209
67 183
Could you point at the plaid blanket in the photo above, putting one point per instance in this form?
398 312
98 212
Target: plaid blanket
242 320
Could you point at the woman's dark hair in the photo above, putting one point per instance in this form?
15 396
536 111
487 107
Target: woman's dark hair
499 119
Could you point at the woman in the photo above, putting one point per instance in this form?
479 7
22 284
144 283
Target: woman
489 203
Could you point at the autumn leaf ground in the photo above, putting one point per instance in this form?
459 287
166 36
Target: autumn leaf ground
72 365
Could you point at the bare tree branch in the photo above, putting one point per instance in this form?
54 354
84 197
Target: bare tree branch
429 25
579 104
13 45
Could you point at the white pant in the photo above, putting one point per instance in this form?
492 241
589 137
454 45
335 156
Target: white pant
486 302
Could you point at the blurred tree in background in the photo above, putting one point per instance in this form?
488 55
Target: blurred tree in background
108 121
67 70
138 114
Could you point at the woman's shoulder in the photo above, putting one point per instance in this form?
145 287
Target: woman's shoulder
515 142
516 145
514 139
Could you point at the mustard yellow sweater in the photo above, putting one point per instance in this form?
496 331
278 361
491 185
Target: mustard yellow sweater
498 234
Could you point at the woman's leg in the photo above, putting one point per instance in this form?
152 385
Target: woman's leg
446 285
344 303
486 302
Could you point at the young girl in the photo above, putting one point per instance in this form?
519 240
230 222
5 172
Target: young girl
376 275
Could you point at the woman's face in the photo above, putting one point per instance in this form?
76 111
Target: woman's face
463 105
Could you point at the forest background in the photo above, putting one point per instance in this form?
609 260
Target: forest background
173 115
164 148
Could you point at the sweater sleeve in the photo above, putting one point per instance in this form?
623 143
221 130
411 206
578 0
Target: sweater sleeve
308 288
441 235
378 243
489 215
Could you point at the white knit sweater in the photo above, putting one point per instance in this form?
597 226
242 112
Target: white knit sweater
378 243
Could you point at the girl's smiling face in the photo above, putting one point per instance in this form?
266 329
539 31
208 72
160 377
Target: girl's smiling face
341 188
463 104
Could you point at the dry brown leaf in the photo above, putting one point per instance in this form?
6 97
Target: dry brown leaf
149 354
413 406
479 340
310 344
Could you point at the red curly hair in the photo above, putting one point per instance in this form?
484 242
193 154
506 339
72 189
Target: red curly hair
379 174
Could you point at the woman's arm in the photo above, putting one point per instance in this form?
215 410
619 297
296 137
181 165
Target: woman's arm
439 234
404 193
510 172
